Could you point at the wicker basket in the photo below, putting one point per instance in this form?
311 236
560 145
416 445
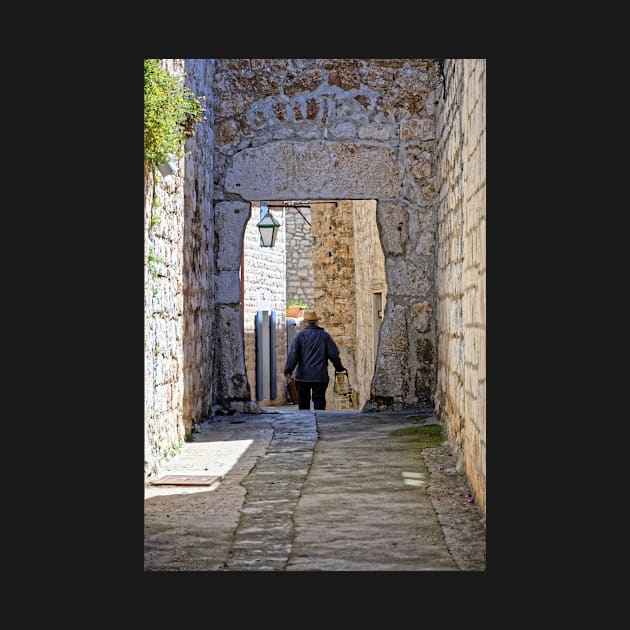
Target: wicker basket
344 401
343 395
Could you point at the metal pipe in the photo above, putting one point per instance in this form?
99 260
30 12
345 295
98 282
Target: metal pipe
297 206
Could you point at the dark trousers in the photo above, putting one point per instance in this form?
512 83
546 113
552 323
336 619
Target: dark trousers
304 394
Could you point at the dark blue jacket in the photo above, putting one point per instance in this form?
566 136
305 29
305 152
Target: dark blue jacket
311 350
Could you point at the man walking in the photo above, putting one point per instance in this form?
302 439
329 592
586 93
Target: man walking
311 350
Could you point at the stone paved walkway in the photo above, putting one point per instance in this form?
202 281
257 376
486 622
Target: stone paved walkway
314 491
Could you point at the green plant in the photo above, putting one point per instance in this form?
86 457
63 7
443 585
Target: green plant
171 111
153 260
172 450
440 74
189 437
299 303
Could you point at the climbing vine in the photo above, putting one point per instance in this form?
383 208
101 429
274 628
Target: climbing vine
171 111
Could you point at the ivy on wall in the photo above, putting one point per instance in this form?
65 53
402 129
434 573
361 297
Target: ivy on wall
171 111
440 74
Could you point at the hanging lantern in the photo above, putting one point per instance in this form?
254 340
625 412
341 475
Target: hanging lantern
268 227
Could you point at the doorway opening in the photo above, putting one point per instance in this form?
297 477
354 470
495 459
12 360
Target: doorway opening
329 257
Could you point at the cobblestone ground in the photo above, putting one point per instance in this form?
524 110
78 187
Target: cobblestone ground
325 491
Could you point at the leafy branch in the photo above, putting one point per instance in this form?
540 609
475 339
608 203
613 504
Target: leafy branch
171 112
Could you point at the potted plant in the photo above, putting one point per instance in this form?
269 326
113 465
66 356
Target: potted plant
295 308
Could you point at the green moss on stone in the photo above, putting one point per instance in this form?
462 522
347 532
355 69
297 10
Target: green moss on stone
428 436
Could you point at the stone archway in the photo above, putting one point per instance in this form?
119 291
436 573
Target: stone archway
404 376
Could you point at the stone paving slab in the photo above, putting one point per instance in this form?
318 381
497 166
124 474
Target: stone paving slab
314 491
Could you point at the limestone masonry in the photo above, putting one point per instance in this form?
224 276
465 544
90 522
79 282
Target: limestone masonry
394 261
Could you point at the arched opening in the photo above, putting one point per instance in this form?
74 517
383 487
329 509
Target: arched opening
327 255
404 372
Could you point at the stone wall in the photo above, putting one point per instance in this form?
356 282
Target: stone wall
299 254
369 280
333 281
324 129
178 307
264 280
198 246
461 266
164 323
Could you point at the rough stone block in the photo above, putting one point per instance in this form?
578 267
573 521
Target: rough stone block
394 227
230 220
376 132
318 170
227 287
404 278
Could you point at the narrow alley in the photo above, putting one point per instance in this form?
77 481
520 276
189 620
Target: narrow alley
354 190
315 491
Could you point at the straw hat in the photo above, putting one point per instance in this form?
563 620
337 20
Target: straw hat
310 316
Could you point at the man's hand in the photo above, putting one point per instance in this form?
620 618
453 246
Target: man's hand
288 376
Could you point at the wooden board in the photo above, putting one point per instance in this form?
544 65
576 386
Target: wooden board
186 480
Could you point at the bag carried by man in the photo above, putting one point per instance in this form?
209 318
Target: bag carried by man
292 393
